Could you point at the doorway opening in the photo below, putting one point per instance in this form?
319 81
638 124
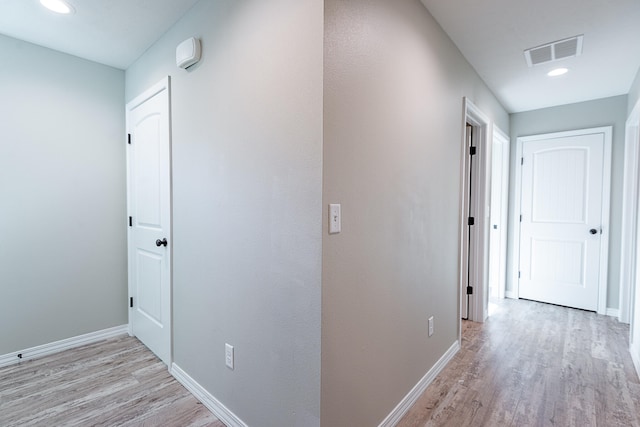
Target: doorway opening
628 265
498 216
474 224
630 253
563 194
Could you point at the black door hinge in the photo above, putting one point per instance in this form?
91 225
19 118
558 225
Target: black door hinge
471 221
130 221
472 151
520 217
130 302
522 160
469 290
128 138
518 274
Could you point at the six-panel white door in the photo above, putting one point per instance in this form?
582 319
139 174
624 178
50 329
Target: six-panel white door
149 190
560 231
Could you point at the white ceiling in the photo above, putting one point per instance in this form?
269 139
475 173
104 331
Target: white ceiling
492 35
111 32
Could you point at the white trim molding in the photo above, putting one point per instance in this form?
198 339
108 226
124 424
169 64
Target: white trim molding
214 405
511 294
405 404
474 243
613 312
636 360
62 345
629 214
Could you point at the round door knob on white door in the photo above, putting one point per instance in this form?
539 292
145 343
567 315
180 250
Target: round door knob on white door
593 231
162 242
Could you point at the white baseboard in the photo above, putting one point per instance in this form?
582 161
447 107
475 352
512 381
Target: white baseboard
214 405
613 312
401 409
58 346
636 360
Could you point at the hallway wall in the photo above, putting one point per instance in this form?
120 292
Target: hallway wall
63 261
393 127
247 192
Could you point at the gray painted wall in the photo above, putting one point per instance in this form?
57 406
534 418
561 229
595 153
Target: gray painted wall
247 188
393 120
602 112
62 196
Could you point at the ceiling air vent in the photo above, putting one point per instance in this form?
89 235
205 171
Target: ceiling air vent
554 51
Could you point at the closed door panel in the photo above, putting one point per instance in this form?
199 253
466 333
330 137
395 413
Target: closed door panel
149 280
561 206
150 223
147 164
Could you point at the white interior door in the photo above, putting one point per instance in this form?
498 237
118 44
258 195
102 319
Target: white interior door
498 214
149 189
562 219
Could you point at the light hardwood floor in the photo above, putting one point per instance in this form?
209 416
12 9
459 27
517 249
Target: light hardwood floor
530 364
534 364
112 382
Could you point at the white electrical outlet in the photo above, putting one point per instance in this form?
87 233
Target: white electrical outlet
228 355
430 325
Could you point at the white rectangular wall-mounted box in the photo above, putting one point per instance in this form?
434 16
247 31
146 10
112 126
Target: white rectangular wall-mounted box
188 53
335 222
430 325
228 356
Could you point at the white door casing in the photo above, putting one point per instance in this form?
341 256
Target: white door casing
149 206
469 237
630 253
564 203
629 214
634 344
475 191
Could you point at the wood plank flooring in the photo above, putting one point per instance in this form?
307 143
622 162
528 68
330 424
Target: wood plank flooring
530 364
112 382
534 364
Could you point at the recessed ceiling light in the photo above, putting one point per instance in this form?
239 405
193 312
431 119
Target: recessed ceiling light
58 6
557 72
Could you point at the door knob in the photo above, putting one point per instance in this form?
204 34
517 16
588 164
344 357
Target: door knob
593 231
162 242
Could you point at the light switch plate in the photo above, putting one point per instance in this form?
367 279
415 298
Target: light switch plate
228 356
335 222
430 325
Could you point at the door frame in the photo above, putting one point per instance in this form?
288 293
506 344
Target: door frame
162 85
478 264
499 137
606 202
628 242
